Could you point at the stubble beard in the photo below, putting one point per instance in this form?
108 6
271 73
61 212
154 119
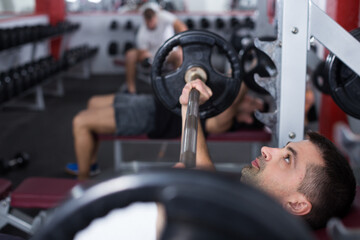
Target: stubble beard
251 175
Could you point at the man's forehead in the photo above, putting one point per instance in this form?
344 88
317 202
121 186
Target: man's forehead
307 152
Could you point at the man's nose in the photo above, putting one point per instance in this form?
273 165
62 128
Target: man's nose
266 153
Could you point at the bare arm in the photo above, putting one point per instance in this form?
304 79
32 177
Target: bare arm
203 160
179 26
222 122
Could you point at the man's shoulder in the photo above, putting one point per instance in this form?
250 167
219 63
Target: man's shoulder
167 16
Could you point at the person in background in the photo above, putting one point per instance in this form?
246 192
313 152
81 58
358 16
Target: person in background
158 26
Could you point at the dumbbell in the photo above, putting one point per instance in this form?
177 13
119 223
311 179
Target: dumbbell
71 57
45 31
248 23
189 23
26 80
46 64
204 22
22 38
114 25
128 46
14 37
93 51
20 160
219 23
129 25
8 84
26 34
40 72
18 81
234 22
35 33
30 69
74 26
55 65
4 38
113 48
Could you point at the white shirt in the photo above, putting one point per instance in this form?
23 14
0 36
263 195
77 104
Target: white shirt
152 40
135 222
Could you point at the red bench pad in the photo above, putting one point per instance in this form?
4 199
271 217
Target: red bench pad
40 192
352 220
259 135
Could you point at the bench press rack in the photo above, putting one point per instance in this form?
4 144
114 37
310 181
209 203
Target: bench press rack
298 21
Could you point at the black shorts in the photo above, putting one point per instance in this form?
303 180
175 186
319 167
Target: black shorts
134 114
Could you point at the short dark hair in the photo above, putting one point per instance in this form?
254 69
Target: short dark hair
330 188
149 13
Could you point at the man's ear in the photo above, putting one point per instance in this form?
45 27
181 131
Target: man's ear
298 204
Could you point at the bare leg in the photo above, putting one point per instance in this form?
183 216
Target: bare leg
101 101
85 125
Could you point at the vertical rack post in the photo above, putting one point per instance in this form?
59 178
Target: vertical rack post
294 38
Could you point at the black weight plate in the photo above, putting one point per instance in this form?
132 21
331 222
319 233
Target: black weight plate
344 83
253 60
196 46
320 78
198 205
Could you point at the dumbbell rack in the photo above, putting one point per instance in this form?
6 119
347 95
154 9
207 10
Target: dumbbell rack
39 102
298 21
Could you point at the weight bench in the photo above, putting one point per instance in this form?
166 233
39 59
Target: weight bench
256 137
35 193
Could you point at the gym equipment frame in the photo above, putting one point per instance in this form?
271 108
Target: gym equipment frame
298 21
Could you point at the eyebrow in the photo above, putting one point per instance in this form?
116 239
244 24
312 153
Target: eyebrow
294 153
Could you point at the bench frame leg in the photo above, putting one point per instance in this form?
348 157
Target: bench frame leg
118 154
19 219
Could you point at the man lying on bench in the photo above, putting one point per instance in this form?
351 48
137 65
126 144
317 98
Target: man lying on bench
132 115
309 178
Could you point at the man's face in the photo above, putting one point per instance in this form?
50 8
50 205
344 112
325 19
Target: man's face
280 171
151 23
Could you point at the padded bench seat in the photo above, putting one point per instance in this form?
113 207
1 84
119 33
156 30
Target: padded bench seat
5 187
40 192
37 193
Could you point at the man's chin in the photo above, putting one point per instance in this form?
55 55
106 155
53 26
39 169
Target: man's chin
248 175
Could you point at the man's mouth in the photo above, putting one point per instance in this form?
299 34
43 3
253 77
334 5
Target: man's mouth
255 163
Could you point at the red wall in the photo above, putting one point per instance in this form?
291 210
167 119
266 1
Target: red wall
56 10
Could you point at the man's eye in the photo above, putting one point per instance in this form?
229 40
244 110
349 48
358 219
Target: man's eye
287 159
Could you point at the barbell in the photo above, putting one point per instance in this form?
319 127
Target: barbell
198 205
197 49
